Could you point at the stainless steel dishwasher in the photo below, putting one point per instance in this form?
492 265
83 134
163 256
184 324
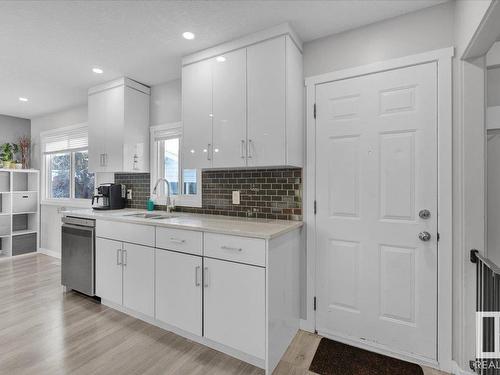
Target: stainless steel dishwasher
78 254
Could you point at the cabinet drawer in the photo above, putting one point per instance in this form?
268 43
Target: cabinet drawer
235 248
126 232
185 241
24 202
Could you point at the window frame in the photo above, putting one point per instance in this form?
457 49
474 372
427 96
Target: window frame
46 169
174 130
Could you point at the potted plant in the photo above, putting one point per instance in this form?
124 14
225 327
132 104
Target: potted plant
7 151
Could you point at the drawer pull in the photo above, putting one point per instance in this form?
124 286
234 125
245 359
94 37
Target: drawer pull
177 240
231 248
25 196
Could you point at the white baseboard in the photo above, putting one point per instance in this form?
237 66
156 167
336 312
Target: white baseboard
307 325
457 370
50 253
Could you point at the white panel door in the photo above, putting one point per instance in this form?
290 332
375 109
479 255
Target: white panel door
229 109
266 80
109 270
197 115
234 306
376 169
178 290
138 278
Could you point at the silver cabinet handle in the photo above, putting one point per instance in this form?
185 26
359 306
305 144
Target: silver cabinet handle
231 248
124 257
177 240
209 147
249 151
118 256
243 149
205 277
197 270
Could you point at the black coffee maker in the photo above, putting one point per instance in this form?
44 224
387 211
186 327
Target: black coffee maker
112 196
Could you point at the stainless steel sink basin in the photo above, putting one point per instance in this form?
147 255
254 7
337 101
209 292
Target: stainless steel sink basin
152 216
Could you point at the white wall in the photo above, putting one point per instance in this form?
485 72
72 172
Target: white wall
493 84
421 31
468 174
11 128
165 107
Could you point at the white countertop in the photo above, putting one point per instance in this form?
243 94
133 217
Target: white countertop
258 228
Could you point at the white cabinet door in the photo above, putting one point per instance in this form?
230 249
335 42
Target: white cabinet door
229 110
138 278
106 119
96 134
109 270
266 103
178 290
234 306
197 115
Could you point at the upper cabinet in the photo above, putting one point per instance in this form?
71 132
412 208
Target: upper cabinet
244 107
118 120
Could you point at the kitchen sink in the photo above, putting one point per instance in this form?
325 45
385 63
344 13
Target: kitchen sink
151 216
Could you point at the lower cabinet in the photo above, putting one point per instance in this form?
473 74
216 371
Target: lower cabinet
125 274
234 305
108 270
179 290
138 278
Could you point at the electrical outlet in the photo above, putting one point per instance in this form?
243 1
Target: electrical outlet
236 197
129 194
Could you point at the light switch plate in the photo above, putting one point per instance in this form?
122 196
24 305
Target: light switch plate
236 197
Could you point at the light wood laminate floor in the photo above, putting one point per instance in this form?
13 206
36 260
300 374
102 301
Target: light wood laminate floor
43 331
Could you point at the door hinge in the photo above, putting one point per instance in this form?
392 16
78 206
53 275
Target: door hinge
314 110
315 207
438 236
314 304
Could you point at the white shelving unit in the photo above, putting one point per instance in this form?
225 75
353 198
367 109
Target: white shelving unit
19 211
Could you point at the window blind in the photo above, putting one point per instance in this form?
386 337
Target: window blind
65 139
164 134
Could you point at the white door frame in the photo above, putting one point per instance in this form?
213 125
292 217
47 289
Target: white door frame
443 58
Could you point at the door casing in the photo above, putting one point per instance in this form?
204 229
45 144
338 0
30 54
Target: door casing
443 58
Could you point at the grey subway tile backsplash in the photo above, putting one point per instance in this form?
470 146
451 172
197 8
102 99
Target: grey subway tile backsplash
264 193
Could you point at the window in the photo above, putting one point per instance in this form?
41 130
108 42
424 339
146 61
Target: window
65 167
166 142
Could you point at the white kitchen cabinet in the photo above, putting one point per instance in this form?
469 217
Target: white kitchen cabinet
229 110
197 115
275 101
125 274
109 270
118 121
266 103
138 278
234 306
254 97
179 290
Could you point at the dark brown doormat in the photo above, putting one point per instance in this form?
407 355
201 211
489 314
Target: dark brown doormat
335 358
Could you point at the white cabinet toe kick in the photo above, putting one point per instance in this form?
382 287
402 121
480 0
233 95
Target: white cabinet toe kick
238 295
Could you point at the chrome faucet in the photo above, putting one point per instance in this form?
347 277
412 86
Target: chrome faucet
168 189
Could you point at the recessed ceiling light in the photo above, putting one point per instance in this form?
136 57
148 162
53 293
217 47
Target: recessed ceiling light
21 99
97 70
188 35
220 58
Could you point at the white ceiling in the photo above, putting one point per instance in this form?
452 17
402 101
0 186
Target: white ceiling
47 48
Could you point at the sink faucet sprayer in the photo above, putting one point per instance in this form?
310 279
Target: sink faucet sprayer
168 190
